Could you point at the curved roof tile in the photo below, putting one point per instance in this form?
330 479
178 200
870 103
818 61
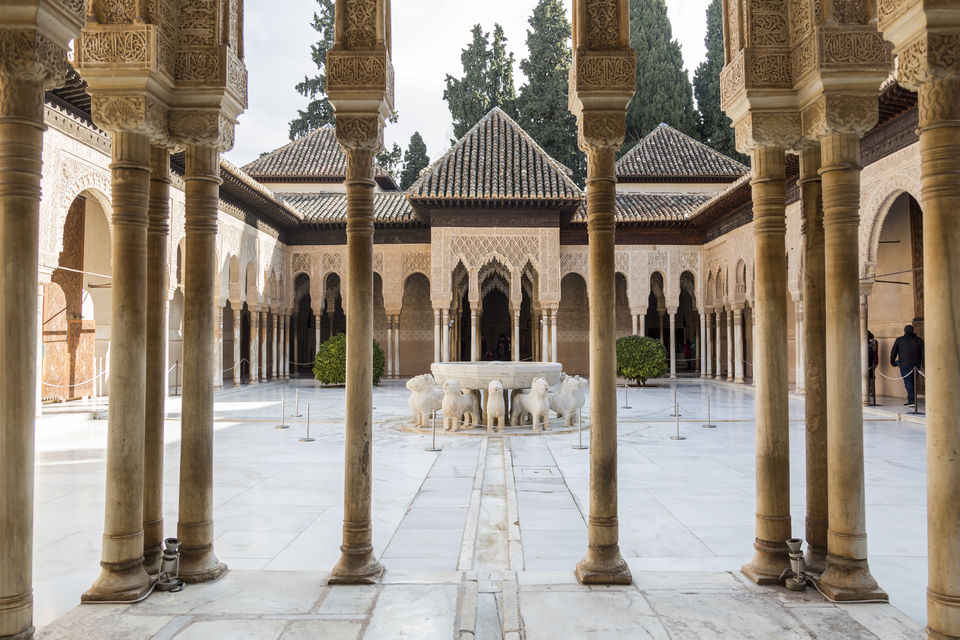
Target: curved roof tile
668 154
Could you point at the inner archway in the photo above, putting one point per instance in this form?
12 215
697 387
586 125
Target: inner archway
495 329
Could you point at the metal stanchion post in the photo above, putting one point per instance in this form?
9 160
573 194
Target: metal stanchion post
296 411
676 407
433 430
678 436
176 379
579 444
308 438
626 405
916 393
709 424
283 412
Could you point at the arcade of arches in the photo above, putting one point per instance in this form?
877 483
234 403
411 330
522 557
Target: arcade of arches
138 261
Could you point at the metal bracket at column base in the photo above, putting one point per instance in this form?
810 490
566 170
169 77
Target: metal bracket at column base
769 563
26 634
356 569
847 580
119 583
603 566
199 566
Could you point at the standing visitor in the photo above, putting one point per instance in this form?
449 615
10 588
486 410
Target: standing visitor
907 353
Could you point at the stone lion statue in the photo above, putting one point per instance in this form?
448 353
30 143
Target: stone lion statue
495 406
456 405
425 397
533 403
569 398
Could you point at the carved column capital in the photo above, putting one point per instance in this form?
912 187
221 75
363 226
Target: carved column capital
361 137
202 127
768 129
132 113
840 114
601 130
29 63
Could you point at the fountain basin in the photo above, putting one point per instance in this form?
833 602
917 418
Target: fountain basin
513 375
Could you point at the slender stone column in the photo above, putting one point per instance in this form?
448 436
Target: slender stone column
633 318
396 345
772 430
264 345
275 347
445 327
673 342
237 310
701 348
738 343
389 350
553 335
357 564
318 315
281 346
437 336
798 344
198 563
643 323
706 321
815 357
730 362
474 344
660 315
158 230
21 144
123 576
719 370
515 345
847 576
254 344
545 335
287 343
603 563
218 345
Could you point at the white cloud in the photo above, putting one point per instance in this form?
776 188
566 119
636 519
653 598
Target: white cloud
428 36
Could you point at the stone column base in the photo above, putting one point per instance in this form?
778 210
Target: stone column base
119 584
200 566
603 565
356 567
23 635
848 580
770 560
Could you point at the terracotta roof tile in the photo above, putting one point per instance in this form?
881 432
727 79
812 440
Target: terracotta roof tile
496 160
389 208
667 154
651 207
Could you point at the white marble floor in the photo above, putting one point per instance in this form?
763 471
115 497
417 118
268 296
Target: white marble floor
482 536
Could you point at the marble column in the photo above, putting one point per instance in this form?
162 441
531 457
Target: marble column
389 348
772 409
24 72
123 577
643 323
633 319
553 335
815 357
515 345
295 340
603 563
218 345
719 347
445 326
264 345
545 334
237 320
437 336
798 344
158 231
660 315
358 564
730 363
198 563
275 347
474 344
738 343
673 342
318 315
706 321
847 576
702 349
396 345
254 344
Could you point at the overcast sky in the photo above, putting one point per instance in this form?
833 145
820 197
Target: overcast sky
428 36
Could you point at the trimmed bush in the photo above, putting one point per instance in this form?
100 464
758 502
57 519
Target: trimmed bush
640 358
330 365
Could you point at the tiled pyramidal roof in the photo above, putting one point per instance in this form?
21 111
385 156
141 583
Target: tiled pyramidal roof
652 207
496 160
389 208
315 156
667 155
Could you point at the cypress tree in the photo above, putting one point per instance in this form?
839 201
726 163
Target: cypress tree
715 127
487 80
414 160
389 159
663 87
542 104
319 111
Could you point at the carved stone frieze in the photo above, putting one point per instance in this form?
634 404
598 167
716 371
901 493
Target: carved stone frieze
118 46
616 70
833 115
360 24
848 48
350 69
768 29
929 56
603 24
300 263
117 11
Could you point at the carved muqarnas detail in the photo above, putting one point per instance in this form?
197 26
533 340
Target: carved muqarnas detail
603 24
360 31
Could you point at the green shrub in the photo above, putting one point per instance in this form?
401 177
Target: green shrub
330 365
639 358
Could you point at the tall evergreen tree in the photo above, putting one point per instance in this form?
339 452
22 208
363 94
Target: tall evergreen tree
414 160
663 87
319 111
715 127
389 160
542 104
487 80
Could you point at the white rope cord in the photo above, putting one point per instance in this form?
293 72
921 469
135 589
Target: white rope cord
877 371
302 363
75 384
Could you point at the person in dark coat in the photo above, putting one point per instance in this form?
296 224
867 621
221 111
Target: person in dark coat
907 353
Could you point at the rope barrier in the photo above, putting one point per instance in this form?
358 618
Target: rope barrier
75 384
877 371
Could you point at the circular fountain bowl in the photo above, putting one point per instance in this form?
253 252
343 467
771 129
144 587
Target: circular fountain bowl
513 375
